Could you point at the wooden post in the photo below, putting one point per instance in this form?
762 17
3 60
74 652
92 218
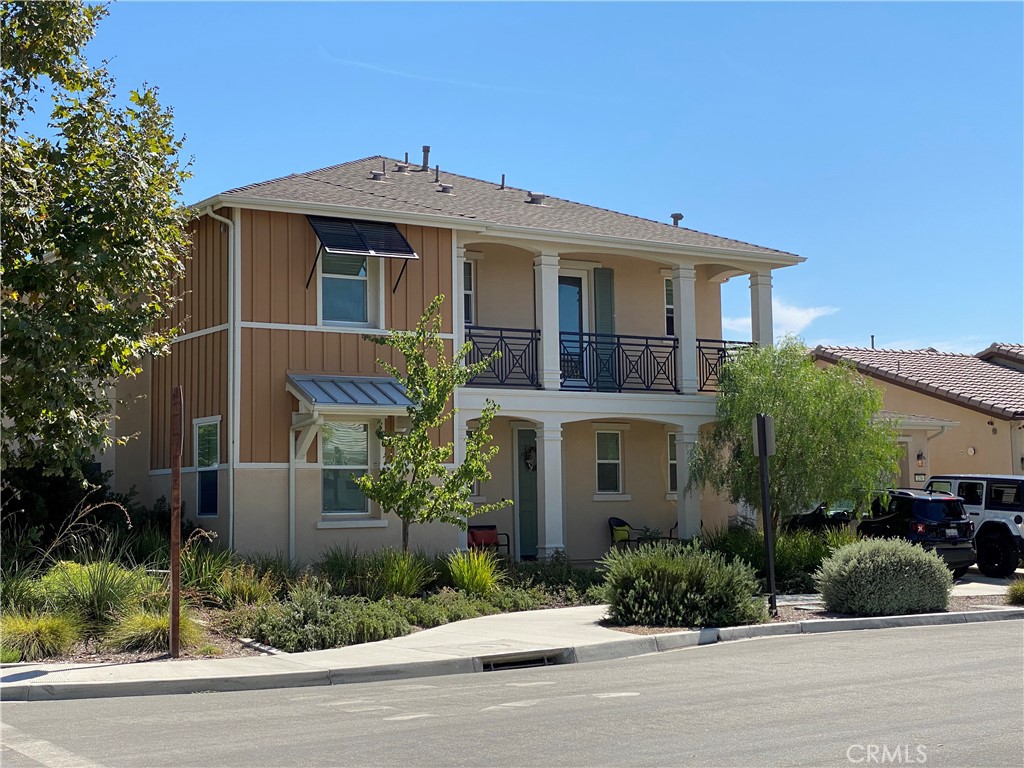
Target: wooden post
176 440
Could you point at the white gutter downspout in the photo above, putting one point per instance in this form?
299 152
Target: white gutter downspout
942 431
314 421
232 373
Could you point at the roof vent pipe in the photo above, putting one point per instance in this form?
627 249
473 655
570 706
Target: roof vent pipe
535 198
676 218
401 167
406 158
447 188
503 181
378 175
426 158
437 174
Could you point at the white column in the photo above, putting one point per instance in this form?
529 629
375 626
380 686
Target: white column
545 283
687 502
684 304
459 305
549 490
459 451
761 309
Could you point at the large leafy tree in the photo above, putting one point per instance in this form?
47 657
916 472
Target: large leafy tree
831 444
93 236
414 482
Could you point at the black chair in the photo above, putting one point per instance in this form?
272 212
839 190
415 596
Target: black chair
488 537
622 533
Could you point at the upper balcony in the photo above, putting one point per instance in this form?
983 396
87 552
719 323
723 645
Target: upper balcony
597 322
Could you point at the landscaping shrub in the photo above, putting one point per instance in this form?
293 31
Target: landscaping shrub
278 566
242 584
508 599
20 592
339 565
148 630
97 591
475 572
883 577
311 619
1015 592
202 564
798 554
556 573
389 572
35 636
665 585
9 655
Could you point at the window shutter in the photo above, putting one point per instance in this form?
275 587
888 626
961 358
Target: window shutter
604 325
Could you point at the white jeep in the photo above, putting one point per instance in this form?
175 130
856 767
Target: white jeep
996 505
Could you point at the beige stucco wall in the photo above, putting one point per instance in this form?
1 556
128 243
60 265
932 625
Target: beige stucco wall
261 520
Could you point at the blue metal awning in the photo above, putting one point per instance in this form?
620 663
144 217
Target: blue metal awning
351 394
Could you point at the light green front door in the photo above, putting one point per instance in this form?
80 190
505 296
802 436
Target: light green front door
526 499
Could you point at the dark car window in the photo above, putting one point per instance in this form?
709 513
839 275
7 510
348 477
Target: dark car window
1005 494
902 508
971 493
936 510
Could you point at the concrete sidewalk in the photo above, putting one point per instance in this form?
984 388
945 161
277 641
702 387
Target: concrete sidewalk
557 636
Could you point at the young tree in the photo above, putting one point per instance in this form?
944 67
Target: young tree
830 443
414 483
93 236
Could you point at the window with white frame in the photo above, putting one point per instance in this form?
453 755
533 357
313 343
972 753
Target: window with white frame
469 291
609 462
349 288
670 309
673 482
345 454
206 455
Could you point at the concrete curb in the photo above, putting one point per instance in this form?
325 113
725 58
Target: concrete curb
634 645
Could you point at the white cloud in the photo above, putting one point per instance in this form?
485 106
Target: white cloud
787 319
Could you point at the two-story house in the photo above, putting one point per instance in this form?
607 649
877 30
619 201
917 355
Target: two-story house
610 328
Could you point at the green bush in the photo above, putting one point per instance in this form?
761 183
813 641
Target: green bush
148 630
242 584
508 599
1015 592
9 655
202 564
35 636
339 566
311 619
555 573
278 566
476 572
883 577
20 592
665 585
390 572
97 591
798 554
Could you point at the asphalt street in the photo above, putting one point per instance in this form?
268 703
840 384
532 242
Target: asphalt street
935 696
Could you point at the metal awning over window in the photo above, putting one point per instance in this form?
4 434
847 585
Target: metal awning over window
351 237
361 238
383 396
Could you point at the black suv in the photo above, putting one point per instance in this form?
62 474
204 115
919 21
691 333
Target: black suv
936 521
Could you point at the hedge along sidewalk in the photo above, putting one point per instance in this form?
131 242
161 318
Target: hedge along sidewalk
553 636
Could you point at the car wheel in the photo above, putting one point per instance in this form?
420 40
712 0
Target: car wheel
997 557
960 572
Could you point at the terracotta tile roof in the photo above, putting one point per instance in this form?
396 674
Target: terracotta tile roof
415 193
1012 352
964 379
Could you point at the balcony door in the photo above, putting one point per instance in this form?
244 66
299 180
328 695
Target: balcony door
573 323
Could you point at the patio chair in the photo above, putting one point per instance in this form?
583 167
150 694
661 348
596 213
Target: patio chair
622 533
488 537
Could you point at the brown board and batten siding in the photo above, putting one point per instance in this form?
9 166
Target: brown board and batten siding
200 363
278 252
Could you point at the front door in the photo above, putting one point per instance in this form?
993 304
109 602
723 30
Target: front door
526 493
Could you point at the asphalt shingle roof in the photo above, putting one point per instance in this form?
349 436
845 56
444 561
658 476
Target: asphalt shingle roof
416 193
965 379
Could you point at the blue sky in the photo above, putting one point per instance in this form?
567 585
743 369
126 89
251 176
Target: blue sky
883 142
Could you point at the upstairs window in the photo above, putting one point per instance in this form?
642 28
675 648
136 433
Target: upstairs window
469 292
346 288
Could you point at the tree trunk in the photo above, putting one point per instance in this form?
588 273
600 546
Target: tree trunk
405 536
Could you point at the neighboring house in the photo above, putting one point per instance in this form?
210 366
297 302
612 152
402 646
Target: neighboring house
956 413
610 329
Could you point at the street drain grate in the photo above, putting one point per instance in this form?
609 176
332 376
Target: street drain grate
527 660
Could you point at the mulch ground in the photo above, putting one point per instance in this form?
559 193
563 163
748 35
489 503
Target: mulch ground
816 611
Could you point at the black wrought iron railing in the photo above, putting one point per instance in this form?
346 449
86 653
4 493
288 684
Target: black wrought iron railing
517 366
711 354
613 363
